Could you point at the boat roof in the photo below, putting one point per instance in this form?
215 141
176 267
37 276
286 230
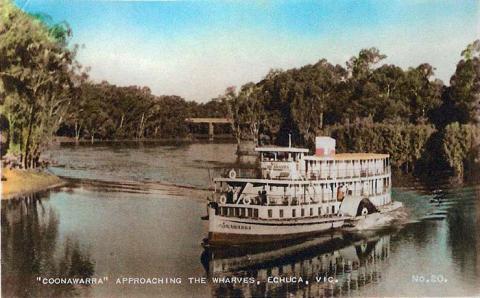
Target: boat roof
281 149
348 156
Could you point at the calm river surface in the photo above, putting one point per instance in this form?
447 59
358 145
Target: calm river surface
127 214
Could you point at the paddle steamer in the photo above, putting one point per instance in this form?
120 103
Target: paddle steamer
296 194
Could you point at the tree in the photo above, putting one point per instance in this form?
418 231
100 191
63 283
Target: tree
314 95
464 93
246 111
422 93
37 74
361 67
459 145
106 111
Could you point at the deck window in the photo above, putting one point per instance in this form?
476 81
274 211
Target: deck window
333 209
250 212
319 211
270 213
281 213
294 211
255 213
311 211
303 212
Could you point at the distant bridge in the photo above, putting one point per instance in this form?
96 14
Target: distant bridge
210 122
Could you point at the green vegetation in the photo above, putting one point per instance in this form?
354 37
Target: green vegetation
461 145
108 112
405 142
105 111
301 101
364 104
38 78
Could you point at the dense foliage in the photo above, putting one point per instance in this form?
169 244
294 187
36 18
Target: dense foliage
38 78
105 111
461 145
405 142
463 95
301 101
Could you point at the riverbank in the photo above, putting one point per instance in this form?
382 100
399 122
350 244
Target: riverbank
22 182
190 138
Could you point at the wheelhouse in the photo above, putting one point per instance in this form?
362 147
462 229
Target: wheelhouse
281 162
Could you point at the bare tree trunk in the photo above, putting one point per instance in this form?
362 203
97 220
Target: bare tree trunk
29 136
121 121
140 128
321 120
77 131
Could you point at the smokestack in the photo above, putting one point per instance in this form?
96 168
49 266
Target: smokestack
324 146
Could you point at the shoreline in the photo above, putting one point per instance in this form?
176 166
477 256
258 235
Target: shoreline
25 182
219 137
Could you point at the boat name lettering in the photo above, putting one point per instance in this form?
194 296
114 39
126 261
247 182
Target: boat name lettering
233 226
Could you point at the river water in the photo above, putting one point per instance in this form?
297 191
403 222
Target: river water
133 211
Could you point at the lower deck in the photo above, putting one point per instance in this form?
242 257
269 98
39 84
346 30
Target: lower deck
298 211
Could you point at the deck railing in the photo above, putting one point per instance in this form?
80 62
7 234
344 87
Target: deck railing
331 174
300 199
326 174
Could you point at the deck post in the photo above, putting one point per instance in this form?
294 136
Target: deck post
210 131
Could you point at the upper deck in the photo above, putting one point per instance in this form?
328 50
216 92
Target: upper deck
289 163
346 165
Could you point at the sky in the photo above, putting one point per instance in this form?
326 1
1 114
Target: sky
196 49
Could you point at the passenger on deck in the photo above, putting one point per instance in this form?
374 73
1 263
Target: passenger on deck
264 197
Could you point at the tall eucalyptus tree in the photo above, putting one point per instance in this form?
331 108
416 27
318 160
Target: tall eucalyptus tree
38 78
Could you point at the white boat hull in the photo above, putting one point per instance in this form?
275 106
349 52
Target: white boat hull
243 230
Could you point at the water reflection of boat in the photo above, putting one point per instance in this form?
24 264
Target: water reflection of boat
331 264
